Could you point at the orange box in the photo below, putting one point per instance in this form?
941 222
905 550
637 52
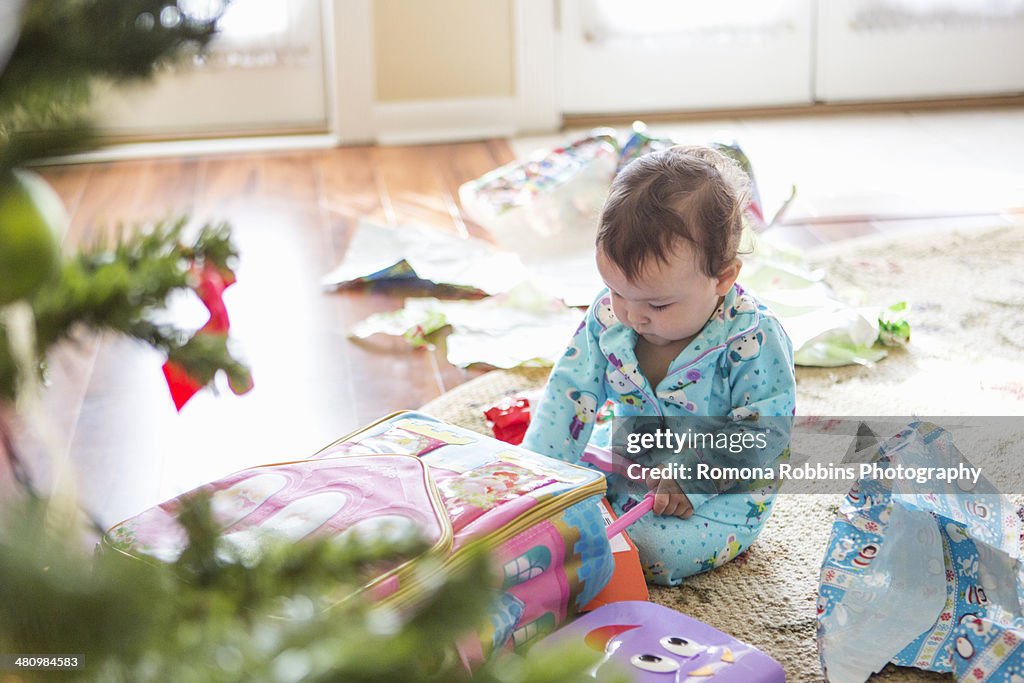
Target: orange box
628 581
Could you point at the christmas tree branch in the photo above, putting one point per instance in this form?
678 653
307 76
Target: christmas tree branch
65 46
223 612
123 288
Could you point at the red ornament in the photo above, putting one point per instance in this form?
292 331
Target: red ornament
210 288
182 385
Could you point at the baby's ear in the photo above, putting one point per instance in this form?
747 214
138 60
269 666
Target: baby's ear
727 276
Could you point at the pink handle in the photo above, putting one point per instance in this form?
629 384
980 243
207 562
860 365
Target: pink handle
631 515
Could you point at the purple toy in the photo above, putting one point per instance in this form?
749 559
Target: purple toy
657 644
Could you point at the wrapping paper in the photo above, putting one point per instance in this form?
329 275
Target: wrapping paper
521 327
547 211
642 142
927 575
410 252
544 212
825 330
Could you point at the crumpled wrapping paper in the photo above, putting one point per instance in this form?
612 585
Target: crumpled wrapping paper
544 211
825 330
927 575
521 327
411 252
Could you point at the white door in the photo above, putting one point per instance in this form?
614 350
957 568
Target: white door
265 73
904 49
675 55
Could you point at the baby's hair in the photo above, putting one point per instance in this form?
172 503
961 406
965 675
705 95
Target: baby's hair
691 193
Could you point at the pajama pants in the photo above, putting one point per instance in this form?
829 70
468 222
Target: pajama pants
672 548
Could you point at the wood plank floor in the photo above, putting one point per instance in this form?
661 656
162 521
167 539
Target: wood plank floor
293 215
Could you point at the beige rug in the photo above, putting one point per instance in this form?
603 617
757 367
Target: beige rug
966 357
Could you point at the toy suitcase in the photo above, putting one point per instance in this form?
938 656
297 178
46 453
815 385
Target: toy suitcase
454 486
654 644
294 500
541 515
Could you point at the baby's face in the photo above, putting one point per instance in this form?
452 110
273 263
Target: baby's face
670 302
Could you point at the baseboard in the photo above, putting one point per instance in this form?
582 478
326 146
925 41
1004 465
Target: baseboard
186 148
813 109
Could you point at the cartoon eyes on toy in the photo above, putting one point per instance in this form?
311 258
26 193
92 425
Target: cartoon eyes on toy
654 664
680 646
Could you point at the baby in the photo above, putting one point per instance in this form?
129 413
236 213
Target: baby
673 336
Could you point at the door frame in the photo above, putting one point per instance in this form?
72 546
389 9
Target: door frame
356 116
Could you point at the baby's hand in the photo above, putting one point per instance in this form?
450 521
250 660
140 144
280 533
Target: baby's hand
669 499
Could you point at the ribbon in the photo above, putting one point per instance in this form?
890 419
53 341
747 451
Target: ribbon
211 283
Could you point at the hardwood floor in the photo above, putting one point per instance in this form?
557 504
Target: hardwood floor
293 215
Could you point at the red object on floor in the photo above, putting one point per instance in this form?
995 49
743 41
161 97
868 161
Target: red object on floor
509 419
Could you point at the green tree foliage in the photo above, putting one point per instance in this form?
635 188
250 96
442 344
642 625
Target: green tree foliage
61 50
290 612
65 47
123 287
293 611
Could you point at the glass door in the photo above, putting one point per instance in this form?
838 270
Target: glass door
264 73
675 55
907 49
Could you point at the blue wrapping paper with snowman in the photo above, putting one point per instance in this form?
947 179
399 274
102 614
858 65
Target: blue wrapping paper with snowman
924 574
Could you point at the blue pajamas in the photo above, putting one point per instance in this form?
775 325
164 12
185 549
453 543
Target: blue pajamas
740 366
672 548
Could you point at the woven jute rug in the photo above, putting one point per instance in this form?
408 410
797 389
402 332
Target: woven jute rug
966 357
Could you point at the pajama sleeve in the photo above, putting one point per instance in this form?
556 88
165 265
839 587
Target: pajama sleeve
763 386
564 419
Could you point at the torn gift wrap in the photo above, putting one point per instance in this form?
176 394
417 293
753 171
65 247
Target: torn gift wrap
412 252
546 210
521 327
927 575
641 142
549 195
825 330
